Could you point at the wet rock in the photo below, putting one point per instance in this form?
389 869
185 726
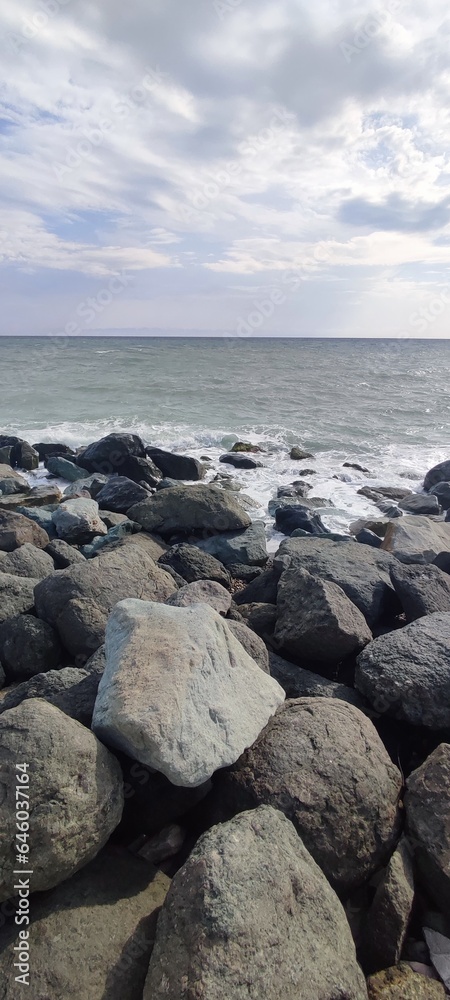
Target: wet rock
248 547
235 930
317 623
176 466
120 493
298 454
76 788
146 708
78 522
27 457
27 560
190 510
27 647
111 454
422 590
202 592
15 530
240 461
416 539
245 446
438 474
44 450
354 465
321 761
288 519
192 563
405 674
387 492
427 803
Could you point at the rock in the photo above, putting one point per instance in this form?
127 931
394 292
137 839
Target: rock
442 492
152 802
44 450
419 503
367 537
405 674
16 595
125 571
297 489
263 590
402 983
288 519
387 920
111 454
442 561
193 564
27 560
438 474
75 790
11 482
167 483
247 547
15 530
378 527
42 516
176 466
300 683
194 704
245 446
27 647
354 465
163 845
111 519
143 471
362 572
427 804
38 497
118 533
6 455
71 689
237 925
64 469
422 590
253 645
388 492
317 623
202 592
243 573
187 510
321 762
78 521
90 485
120 493
240 461
107 958
63 554
27 457
298 454
417 539
261 618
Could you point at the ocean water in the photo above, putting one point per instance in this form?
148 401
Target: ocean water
384 404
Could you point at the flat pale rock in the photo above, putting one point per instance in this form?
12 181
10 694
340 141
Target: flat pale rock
179 692
416 539
76 793
251 916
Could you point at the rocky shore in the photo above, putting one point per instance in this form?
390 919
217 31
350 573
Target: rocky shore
238 762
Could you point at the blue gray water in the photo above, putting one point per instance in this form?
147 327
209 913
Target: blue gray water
384 404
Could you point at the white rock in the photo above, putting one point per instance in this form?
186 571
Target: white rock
78 521
179 692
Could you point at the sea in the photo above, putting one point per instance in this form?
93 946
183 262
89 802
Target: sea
383 404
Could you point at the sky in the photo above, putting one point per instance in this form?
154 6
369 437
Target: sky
225 167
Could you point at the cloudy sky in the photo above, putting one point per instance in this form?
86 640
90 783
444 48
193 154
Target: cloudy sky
269 167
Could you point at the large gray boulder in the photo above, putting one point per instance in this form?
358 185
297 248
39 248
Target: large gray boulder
75 793
62 467
77 521
63 554
420 503
72 689
405 674
190 510
111 453
28 561
321 762
16 595
202 592
11 482
251 915
438 474
247 547
120 493
76 955
179 692
427 803
422 589
317 623
15 530
361 571
416 539
126 571
27 647
176 466
90 485
193 564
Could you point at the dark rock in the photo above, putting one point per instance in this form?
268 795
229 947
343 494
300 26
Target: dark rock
252 643
107 958
296 490
28 647
166 483
6 455
190 510
120 493
190 562
76 787
287 519
386 923
262 590
317 622
240 461
260 617
300 683
223 913
442 561
15 530
244 573
126 571
44 450
427 803
297 454
422 589
367 537
320 761
176 466
245 446
118 533
354 465
438 474
248 547
16 595
112 519
405 674
27 560
111 453
442 492
63 554
387 492
142 471
361 571
59 466
152 802
71 689
26 457
419 503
